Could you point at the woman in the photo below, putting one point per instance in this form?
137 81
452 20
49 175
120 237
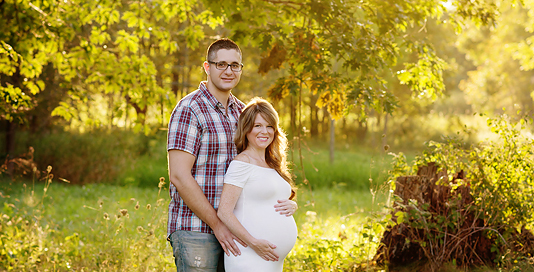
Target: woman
256 180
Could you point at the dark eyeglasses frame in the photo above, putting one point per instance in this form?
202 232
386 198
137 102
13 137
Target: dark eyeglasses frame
227 65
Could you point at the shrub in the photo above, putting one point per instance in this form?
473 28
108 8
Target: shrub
341 243
498 174
98 155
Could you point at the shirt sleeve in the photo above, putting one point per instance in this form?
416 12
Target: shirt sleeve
238 173
184 131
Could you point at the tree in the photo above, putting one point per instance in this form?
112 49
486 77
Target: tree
119 52
345 52
502 56
343 48
33 35
129 50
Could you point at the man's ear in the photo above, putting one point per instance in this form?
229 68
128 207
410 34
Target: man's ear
206 66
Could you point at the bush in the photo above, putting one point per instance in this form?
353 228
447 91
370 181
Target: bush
99 155
498 174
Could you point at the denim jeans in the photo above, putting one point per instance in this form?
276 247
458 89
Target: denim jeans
196 251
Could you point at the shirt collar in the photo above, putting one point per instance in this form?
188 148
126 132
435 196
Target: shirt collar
203 87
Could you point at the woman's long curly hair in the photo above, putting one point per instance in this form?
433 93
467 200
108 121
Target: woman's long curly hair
275 154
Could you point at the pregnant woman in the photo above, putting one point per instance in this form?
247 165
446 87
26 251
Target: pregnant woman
256 181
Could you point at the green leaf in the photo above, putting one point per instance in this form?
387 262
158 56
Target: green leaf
400 217
64 110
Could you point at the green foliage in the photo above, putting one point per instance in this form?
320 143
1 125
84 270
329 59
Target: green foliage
498 176
502 57
99 155
425 76
123 228
347 49
339 230
134 159
29 40
121 49
497 171
148 165
135 53
23 239
129 50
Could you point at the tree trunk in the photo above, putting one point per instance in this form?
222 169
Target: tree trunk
314 117
466 243
374 136
344 128
140 111
175 80
325 124
184 76
47 100
361 131
384 135
293 119
111 112
332 139
159 80
11 128
126 112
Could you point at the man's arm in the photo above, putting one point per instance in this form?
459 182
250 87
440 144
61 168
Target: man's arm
180 165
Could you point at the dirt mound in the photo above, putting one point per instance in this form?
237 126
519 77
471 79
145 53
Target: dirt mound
22 165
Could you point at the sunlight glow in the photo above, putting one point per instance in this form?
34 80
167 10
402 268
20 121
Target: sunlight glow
448 5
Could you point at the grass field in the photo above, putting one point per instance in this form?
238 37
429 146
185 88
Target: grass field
123 228
120 224
353 168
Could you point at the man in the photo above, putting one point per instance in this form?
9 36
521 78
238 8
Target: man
200 147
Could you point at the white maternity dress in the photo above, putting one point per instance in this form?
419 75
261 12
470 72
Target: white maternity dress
262 187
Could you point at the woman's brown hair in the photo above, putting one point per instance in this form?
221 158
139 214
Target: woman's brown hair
275 154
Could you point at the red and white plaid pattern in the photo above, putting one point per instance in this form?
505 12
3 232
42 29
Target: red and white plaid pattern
199 126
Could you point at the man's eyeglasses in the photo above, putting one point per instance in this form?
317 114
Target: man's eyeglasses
222 65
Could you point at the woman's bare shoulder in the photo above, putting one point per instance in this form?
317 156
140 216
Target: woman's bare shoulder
242 157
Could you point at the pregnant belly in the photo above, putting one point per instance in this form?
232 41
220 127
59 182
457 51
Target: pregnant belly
275 228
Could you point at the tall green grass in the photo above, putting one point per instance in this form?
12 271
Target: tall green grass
96 227
102 227
84 228
115 218
353 167
109 156
125 158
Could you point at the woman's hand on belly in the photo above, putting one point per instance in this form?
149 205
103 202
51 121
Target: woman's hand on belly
286 207
264 249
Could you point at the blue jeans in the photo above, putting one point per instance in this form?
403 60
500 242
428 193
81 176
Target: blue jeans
196 251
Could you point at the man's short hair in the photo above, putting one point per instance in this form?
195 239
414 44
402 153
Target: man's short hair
219 44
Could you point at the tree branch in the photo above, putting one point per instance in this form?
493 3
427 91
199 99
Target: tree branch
284 2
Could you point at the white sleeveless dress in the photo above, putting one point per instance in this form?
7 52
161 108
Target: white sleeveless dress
262 187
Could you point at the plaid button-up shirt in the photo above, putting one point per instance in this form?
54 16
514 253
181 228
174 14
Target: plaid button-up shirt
200 126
